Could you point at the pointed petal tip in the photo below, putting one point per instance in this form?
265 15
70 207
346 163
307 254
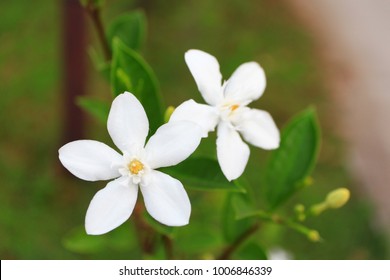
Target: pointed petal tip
193 51
91 231
177 223
229 177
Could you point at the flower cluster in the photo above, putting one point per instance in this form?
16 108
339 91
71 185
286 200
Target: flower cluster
135 167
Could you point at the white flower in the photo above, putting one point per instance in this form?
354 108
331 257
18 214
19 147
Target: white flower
228 111
165 198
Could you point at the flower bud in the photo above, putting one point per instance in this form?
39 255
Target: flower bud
300 212
337 198
168 113
314 236
308 181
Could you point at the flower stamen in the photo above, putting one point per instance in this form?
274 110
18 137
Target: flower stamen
135 166
234 107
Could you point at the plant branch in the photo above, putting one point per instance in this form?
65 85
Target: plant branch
240 239
94 12
145 233
168 246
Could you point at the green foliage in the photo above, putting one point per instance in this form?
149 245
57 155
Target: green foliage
121 239
100 63
262 35
96 108
130 72
251 251
232 226
130 28
293 161
198 240
202 174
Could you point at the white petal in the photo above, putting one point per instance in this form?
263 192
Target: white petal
232 152
127 122
90 160
166 200
204 115
246 84
205 70
111 206
259 129
172 143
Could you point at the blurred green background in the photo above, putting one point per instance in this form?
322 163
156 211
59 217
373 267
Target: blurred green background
41 203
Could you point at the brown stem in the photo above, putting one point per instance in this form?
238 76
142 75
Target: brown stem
168 246
232 247
95 14
145 233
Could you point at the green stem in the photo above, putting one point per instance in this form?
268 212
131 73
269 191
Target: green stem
276 219
240 239
309 233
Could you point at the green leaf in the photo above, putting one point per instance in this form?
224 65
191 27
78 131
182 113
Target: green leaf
202 174
96 108
130 28
251 251
233 227
101 65
293 161
129 72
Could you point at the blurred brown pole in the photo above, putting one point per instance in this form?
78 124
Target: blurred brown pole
74 68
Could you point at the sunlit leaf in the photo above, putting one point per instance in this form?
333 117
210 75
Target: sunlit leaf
293 161
130 72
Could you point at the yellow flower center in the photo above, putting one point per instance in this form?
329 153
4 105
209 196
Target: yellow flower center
135 166
234 107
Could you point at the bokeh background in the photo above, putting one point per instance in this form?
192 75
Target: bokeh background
308 59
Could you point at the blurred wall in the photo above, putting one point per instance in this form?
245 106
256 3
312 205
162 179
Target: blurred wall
354 40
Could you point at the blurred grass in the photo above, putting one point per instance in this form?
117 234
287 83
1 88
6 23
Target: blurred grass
40 207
